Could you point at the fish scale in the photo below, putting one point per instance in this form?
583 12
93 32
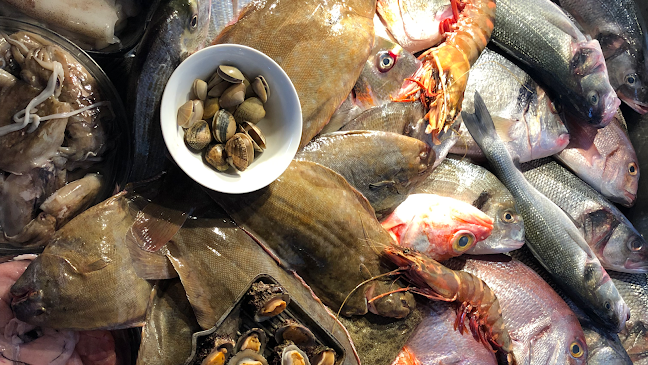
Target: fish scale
634 289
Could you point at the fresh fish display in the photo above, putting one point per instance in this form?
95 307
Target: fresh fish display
552 236
435 342
300 219
605 159
614 240
524 116
473 184
621 31
634 289
540 36
416 25
178 28
321 86
397 164
437 226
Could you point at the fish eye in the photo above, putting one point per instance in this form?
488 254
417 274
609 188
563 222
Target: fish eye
631 79
576 350
406 250
463 240
593 97
508 217
194 21
607 305
632 168
635 245
386 61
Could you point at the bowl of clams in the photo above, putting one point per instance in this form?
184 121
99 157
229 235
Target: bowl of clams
231 118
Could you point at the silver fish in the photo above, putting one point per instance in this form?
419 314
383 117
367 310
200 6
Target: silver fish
634 289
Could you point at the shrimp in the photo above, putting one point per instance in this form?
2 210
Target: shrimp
478 302
441 80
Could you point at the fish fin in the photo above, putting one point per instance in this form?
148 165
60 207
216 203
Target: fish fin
502 127
480 124
562 21
83 268
149 265
155 225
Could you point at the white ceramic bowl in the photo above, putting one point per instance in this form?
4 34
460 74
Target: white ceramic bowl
281 126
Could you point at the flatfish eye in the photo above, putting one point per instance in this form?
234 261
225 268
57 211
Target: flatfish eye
463 240
194 21
386 60
576 350
632 168
508 217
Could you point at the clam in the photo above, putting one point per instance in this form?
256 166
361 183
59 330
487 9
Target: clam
198 136
218 89
240 151
223 348
255 133
230 73
292 355
199 89
268 300
198 110
247 357
293 331
214 80
254 339
185 114
232 96
324 357
223 126
215 155
211 107
251 110
261 88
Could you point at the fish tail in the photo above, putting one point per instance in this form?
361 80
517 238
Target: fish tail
480 124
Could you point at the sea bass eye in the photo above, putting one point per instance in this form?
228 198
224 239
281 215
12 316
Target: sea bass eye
576 350
386 61
631 79
462 241
593 97
635 245
632 168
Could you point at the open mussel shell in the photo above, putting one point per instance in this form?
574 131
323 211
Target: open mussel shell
268 300
292 355
230 73
216 156
323 356
199 89
232 96
223 126
293 331
261 88
255 133
198 136
247 357
251 110
223 349
254 339
240 151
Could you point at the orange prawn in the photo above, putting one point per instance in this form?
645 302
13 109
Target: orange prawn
441 80
478 302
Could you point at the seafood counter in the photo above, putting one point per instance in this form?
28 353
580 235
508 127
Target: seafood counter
466 189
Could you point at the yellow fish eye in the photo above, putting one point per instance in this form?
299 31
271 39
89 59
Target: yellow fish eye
508 217
576 350
463 240
632 168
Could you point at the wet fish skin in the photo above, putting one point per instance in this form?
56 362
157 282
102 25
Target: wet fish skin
560 249
84 279
608 232
321 46
634 289
542 326
524 115
475 185
621 31
383 166
170 38
637 131
605 159
555 53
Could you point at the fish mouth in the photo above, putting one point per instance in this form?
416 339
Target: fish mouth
503 246
610 109
27 304
629 199
624 311
635 267
638 106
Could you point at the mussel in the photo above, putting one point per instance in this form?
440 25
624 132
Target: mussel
255 134
293 331
254 339
223 348
230 73
240 151
251 110
247 357
292 355
216 156
223 126
268 300
261 88
198 136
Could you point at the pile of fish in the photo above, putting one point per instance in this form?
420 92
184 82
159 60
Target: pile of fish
479 203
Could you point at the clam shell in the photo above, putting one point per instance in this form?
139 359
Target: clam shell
223 126
198 110
255 339
232 96
292 355
257 137
325 357
240 151
211 107
199 89
216 156
247 357
214 80
295 332
218 89
230 73
185 114
251 110
198 136
261 88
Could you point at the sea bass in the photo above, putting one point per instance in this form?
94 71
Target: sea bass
609 233
473 184
178 29
634 289
553 238
524 116
321 46
383 166
543 328
437 226
638 131
621 31
604 158
84 279
540 36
